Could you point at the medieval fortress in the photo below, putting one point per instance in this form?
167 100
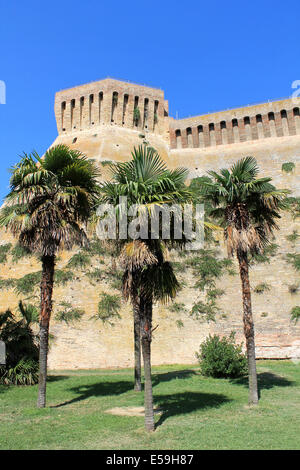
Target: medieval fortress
105 120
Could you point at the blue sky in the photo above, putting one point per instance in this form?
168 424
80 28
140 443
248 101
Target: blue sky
205 55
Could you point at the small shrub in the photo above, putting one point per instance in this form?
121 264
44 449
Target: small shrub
29 312
265 256
222 357
294 259
115 99
295 314
293 237
293 288
177 307
136 115
115 278
79 260
25 372
205 311
96 247
19 252
108 308
288 167
95 275
21 347
27 284
69 314
61 277
178 267
207 268
264 314
214 293
232 272
116 284
260 288
4 249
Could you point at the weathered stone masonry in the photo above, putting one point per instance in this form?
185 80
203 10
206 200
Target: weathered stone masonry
110 102
99 119
275 119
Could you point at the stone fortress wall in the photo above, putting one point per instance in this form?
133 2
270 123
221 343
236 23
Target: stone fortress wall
267 120
99 119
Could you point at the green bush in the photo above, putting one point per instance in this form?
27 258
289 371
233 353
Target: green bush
27 284
222 357
108 308
293 237
294 260
69 314
295 314
288 167
136 115
21 347
61 277
262 287
265 256
177 307
96 247
205 311
95 275
19 252
4 250
293 205
79 260
25 372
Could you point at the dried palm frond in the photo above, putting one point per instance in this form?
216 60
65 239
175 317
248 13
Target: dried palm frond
135 255
244 239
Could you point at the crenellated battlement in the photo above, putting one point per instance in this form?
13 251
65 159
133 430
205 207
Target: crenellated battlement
272 119
111 102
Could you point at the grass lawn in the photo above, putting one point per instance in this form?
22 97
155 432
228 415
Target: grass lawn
196 412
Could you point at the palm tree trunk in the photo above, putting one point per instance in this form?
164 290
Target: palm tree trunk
137 344
146 327
248 326
48 263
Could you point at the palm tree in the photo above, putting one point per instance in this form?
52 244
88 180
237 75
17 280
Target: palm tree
148 276
247 207
50 199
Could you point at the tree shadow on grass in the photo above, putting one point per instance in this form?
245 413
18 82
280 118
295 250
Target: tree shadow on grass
187 402
168 376
97 389
56 378
265 381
